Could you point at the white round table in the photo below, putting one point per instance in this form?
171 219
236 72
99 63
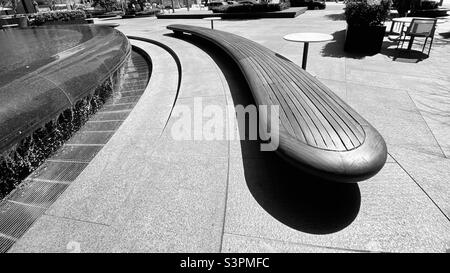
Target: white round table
306 38
212 19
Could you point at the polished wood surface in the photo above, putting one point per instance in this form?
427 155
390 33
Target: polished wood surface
319 132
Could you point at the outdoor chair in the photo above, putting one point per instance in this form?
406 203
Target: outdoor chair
419 28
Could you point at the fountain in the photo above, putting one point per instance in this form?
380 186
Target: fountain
51 80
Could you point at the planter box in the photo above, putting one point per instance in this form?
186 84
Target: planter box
367 40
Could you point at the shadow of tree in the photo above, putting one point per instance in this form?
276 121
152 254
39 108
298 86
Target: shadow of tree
294 198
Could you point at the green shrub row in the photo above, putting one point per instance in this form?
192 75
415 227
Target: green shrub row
249 8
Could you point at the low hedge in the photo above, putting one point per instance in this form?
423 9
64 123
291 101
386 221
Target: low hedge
249 8
56 16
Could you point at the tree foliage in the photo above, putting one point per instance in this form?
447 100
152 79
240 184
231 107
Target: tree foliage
366 12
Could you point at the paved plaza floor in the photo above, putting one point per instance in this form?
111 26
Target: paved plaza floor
146 192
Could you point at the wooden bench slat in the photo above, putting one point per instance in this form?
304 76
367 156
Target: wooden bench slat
280 100
320 124
283 114
308 131
338 115
339 104
306 107
337 140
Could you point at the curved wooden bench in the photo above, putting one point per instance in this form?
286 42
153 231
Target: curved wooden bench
319 132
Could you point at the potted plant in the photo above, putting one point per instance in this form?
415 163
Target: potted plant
365 25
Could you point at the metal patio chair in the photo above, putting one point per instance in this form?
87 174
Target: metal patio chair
419 28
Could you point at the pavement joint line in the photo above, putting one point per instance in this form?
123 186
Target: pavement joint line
8 237
77 220
25 204
226 197
67 161
49 181
418 184
426 123
398 89
224 91
299 244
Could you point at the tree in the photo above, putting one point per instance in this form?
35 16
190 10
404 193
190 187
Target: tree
12 3
402 6
106 4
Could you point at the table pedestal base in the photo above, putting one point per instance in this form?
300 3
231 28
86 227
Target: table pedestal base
305 55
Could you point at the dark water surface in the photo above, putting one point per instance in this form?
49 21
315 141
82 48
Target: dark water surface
23 50
47 70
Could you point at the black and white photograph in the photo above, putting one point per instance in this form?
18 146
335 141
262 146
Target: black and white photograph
236 129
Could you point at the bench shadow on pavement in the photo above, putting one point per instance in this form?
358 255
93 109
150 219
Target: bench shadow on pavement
292 197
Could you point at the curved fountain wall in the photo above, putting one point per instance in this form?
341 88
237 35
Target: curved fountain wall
51 80
47 70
